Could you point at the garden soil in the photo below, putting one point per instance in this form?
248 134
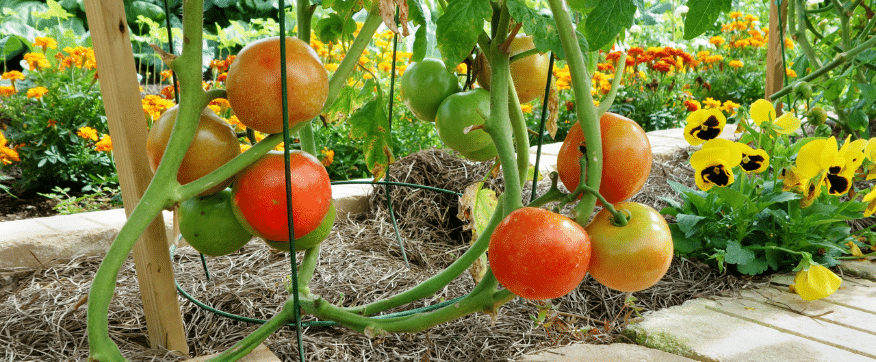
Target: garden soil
361 261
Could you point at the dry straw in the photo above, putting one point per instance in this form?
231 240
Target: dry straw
44 315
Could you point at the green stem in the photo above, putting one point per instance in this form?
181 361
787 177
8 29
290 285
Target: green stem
802 39
252 340
161 193
519 130
307 268
838 60
615 84
304 15
618 218
586 111
553 194
339 78
497 125
438 281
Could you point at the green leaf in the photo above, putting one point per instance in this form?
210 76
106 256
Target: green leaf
533 24
736 254
735 199
702 15
370 124
421 44
331 28
682 244
583 6
416 11
774 198
458 28
868 93
148 10
858 120
754 267
55 11
688 223
607 20
476 207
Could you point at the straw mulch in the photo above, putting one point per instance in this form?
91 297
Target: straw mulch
44 314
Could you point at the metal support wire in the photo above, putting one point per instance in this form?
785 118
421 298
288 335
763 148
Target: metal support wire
401 245
544 103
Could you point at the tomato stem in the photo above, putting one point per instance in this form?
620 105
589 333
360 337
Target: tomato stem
586 111
618 218
615 84
338 79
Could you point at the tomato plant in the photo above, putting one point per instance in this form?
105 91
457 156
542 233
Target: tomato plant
259 195
528 74
312 238
424 85
632 257
462 110
626 160
255 90
208 224
215 143
539 254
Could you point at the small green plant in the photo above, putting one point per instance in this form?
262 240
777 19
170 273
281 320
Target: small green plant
70 204
774 200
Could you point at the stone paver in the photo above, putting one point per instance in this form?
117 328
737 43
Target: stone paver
600 353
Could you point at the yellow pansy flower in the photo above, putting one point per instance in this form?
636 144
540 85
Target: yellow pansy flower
753 160
870 200
713 164
816 282
703 125
762 111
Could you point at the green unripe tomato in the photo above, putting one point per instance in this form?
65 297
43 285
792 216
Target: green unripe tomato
462 110
208 224
424 85
312 238
817 116
802 90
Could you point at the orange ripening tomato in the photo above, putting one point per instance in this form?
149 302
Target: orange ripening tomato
254 85
626 157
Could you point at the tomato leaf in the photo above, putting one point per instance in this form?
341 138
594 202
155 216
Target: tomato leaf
607 20
331 28
702 15
388 13
370 124
476 206
458 28
533 24
421 44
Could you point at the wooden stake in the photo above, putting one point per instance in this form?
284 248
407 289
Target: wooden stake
775 69
120 91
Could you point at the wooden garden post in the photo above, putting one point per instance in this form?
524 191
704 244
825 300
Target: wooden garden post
124 112
775 67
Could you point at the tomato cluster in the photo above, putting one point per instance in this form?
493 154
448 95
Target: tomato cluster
221 220
432 94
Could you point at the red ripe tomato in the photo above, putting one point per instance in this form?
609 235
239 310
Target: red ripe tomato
626 157
539 254
255 91
632 257
215 143
259 195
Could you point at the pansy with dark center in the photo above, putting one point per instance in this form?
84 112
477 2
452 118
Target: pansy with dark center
703 125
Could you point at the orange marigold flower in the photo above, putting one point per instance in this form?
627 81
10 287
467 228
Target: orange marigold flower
730 107
7 155
613 56
166 74
222 77
735 15
790 73
735 63
602 67
51 123
37 92
635 52
526 108
716 40
45 42
12 75
36 61
692 105
87 133
167 92
662 66
105 144
711 103
6 90
789 44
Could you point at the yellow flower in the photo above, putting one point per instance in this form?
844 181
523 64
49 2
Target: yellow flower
716 40
816 282
12 75
7 155
711 103
816 156
791 181
713 164
730 107
6 90
789 44
45 42
762 111
526 108
753 160
736 63
870 200
36 92
328 156
462 68
735 15
36 61
87 133
703 125
790 73
105 144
